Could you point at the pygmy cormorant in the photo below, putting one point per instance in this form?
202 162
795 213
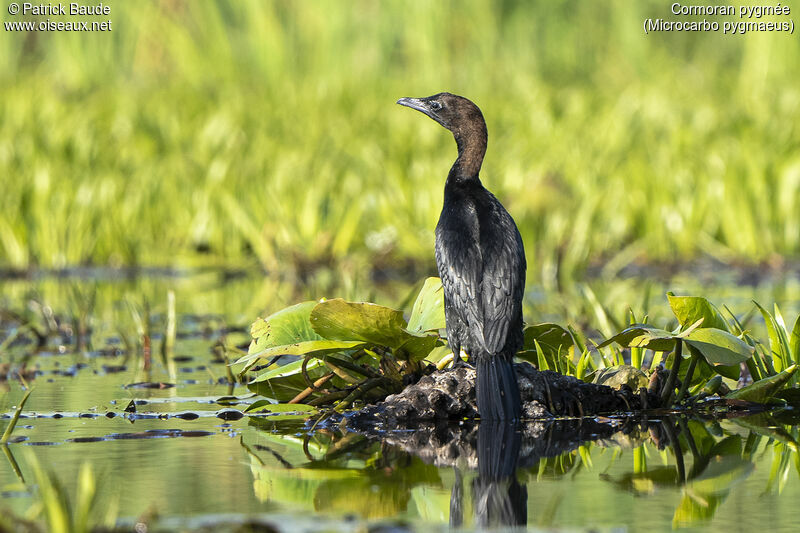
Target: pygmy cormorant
481 261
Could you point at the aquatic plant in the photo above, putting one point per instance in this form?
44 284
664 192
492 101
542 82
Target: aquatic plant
335 352
339 351
14 419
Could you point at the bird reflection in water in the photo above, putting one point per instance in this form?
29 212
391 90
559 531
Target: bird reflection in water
498 497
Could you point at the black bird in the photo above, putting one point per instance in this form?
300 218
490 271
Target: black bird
481 261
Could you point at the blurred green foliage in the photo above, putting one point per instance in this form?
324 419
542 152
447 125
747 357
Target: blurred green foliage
266 132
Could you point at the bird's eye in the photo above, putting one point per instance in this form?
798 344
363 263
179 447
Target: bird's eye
436 106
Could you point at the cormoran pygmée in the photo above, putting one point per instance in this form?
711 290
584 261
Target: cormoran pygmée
481 261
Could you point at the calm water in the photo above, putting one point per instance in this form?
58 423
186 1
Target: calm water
180 456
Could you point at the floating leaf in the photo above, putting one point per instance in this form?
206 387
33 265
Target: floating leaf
765 389
690 309
428 311
719 347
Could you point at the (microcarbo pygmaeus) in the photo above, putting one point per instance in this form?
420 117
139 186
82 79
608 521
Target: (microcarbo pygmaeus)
481 261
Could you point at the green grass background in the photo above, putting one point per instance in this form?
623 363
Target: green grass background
266 133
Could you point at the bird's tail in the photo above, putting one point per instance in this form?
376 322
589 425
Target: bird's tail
497 390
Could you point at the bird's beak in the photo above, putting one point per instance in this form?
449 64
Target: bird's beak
418 104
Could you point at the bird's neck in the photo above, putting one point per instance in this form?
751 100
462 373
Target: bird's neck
471 149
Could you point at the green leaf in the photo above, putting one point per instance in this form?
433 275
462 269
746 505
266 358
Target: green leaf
778 339
548 346
551 337
340 320
585 365
763 390
375 324
794 340
284 371
302 348
643 336
285 382
418 348
15 418
705 370
287 326
428 311
719 347
690 309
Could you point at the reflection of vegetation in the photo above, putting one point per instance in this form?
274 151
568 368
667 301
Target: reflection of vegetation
336 474
707 466
699 461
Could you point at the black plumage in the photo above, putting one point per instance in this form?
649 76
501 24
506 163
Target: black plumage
481 261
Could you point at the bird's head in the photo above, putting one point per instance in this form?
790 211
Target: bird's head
454 112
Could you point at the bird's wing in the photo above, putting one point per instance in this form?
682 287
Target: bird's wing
502 284
460 267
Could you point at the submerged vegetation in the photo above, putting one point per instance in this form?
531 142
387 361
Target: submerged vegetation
340 353
281 145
